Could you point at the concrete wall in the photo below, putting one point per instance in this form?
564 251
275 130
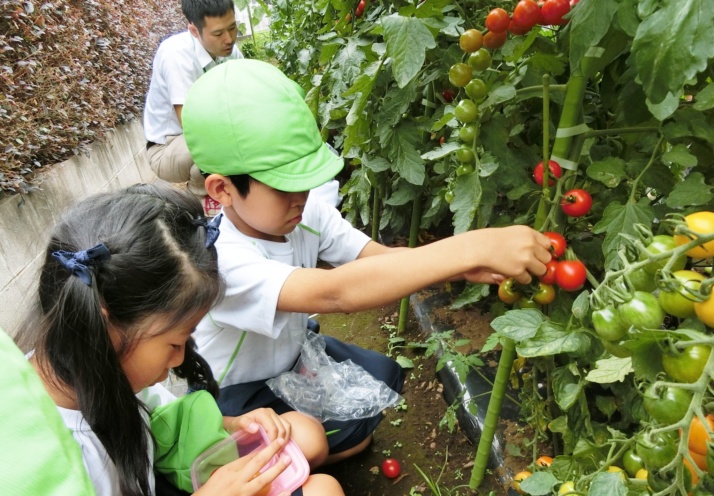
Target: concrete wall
25 220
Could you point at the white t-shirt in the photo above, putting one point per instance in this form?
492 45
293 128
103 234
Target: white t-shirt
178 63
255 271
100 467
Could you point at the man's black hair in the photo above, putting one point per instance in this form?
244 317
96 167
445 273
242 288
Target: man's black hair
196 11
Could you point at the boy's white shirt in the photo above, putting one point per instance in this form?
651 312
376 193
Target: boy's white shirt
100 467
255 271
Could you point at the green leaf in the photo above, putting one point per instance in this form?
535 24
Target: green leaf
567 387
491 342
551 339
693 191
609 171
606 404
396 102
467 196
608 484
672 45
665 108
442 151
471 294
617 219
375 163
704 100
609 370
400 145
581 305
405 362
589 26
403 193
646 359
407 41
518 324
500 94
680 154
539 484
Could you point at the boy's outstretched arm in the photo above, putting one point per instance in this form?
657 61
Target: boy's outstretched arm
381 275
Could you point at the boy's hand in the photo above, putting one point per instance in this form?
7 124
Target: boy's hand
514 251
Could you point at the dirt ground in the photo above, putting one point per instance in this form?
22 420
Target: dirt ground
412 434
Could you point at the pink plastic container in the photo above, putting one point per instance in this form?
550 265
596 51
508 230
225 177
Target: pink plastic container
240 443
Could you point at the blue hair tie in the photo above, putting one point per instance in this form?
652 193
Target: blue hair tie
211 227
78 262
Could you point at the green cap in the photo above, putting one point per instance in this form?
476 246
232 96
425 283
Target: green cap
247 117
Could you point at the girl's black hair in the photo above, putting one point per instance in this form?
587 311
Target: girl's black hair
159 266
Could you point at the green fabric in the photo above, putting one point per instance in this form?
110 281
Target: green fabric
184 429
38 455
246 117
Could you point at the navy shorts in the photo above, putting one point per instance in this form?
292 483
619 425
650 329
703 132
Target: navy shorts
342 435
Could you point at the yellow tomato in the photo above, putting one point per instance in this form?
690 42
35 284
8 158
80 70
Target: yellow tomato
705 310
566 488
641 474
520 477
615 469
701 223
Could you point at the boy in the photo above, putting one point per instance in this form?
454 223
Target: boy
248 127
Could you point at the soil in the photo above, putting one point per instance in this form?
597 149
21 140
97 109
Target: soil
413 435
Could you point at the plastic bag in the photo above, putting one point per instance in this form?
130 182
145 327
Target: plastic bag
329 390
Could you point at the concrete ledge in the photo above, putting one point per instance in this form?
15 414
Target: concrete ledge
25 220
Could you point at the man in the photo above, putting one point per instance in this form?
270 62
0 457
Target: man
178 63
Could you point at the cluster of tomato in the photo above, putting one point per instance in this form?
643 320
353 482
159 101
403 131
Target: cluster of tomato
576 202
526 15
568 275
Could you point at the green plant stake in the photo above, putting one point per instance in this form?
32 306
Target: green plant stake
413 238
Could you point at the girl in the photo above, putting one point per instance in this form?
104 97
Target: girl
126 278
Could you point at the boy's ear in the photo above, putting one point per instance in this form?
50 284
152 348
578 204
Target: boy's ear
194 31
217 188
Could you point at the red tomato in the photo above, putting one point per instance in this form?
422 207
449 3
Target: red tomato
526 14
576 202
448 95
360 8
557 241
549 276
391 468
517 29
570 275
554 170
493 40
552 12
497 21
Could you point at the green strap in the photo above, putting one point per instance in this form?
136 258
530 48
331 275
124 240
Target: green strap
233 357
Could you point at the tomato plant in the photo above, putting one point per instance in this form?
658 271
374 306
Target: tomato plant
459 74
666 405
554 172
466 111
391 468
360 8
557 242
576 202
480 60
688 364
660 244
570 275
545 294
680 303
497 20
699 223
526 14
642 311
608 325
507 293
471 40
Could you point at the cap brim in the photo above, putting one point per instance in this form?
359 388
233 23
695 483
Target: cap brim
303 174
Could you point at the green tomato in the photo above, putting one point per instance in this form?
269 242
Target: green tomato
464 169
632 462
465 155
460 74
449 196
660 244
642 311
666 405
687 365
643 281
466 111
656 450
468 133
679 303
476 89
524 302
608 325
480 60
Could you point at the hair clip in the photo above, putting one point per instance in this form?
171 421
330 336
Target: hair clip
211 227
78 262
